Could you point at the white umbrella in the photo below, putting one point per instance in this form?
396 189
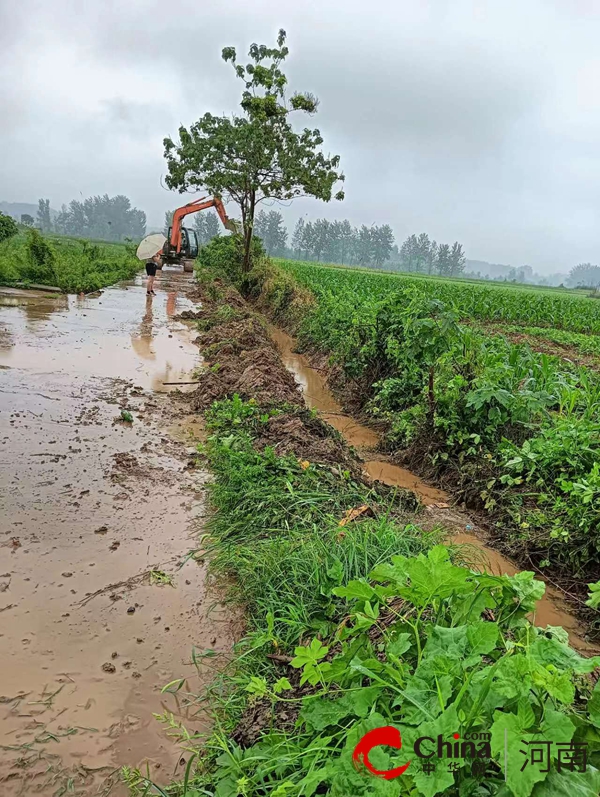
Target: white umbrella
150 246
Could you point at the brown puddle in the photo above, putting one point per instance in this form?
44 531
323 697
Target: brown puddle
551 610
93 512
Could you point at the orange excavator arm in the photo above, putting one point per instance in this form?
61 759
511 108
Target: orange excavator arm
193 207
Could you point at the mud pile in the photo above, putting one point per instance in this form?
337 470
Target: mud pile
241 358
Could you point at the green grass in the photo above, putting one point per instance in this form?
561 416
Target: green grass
71 264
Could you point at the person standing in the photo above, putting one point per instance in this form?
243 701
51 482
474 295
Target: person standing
151 266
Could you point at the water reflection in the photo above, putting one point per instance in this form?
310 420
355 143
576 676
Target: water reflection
142 342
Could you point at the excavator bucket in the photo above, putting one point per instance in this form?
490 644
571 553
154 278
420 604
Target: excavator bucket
233 225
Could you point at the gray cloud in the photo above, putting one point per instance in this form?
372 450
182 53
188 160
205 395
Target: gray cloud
471 121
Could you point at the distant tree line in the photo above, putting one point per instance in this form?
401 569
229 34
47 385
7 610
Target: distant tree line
108 218
424 256
104 217
340 242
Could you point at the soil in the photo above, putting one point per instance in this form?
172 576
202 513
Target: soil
99 598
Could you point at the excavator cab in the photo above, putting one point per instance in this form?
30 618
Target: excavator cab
188 252
189 243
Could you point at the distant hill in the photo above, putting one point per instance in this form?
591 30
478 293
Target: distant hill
16 209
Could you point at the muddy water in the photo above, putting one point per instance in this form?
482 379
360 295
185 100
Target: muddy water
90 506
551 610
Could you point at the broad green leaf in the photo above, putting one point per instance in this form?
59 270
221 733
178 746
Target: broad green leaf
513 677
257 686
321 712
511 732
399 645
309 654
424 699
593 706
451 642
482 637
355 590
281 685
570 784
528 589
594 595
551 651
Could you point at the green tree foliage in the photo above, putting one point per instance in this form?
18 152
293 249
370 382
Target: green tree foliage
584 275
27 220
225 255
8 227
41 258
207 226
270 228
257 155
44 221
103 217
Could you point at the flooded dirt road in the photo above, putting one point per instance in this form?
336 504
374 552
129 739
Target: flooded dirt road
551 610
100 603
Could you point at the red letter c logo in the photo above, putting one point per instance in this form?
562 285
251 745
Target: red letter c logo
379 736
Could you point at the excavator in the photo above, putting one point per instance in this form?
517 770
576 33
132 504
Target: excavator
181 245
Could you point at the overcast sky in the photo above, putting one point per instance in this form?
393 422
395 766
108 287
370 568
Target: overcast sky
472 120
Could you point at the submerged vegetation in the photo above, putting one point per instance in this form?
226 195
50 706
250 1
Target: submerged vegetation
70 264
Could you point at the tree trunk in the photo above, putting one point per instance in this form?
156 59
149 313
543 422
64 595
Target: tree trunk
248 230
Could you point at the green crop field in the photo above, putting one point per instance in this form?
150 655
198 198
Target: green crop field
513 431
557 308
72 264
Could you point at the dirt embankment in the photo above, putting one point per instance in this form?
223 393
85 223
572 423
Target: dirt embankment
241 358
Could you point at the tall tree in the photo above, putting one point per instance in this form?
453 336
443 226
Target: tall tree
585 275
27 220
457 259
298 237
168 221
444 260
382 242
206 226
8 227
347 235
43 215
271 228
258 155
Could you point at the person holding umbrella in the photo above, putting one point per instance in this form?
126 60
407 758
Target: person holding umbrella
150 250
151 266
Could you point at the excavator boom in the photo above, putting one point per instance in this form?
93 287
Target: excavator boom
193 207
